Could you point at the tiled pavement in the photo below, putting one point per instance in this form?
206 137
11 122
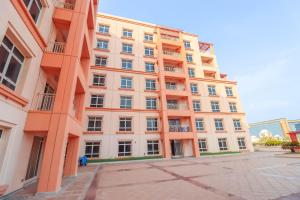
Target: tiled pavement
253 176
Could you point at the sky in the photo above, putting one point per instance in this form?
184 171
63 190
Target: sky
257 43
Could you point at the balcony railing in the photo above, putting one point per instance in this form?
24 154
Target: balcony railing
172 53
45 102
56 47
179 129
173 69
178 106
65 5
170 38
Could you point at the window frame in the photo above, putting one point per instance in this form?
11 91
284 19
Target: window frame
241 146
100 76
127 33
237 124
149 83
4 80
125 63
92 145
185 42
124 153
229 91
191 72
154 123
212 90
128 82
149 51
219 124
127 100
199 121
194 86
232 107
153 144
200 143
147 64
222 147
152 103
107 27
126 121
147 36
127 48
40 8
196 105
215 106
189 58
97 104
102 44
102 61
94 127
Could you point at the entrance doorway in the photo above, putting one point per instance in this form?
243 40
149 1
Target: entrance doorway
176 148
33 164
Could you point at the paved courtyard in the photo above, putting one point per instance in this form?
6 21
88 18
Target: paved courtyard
253 176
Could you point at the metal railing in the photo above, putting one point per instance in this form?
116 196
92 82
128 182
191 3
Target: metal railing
45 102
173 69
56 47
65 5
170 38
179 129
178 106
172 53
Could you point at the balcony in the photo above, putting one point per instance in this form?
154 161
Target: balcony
53 57
174 72
206 49
172 55
178 110
44 102
180 129
63 12
177 106
170 40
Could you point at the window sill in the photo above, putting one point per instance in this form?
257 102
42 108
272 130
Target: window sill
152 132
221 131
127 38
93 132
190 63
153 91
202 131
10 94
151 57
103 34
189 49
213 95
125 53
240 131
102 50
231 97
126 89
124 132
196 94
149 42
97 87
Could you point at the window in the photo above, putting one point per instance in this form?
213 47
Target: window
197 106
98 80
11 61
124 148
126 102
232 107
219 124
100 61
199 124
152 124
150 84
149 67
150 103
1 132
127 33
229 92
172 104
222 144
103 29
92 149
125 124
127 48
237 124
212 90
97 101
126 82
187 44
215 106
191 72
171 85
126 64
189 58
95 124
152 147
102 44
149 51
34 7
194 88
241 143
202 145
148 37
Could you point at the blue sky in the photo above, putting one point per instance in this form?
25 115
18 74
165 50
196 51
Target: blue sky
257 43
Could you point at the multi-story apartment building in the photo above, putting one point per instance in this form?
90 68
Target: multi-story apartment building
156 90
45 56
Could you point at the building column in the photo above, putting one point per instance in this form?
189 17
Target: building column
71 162
196 152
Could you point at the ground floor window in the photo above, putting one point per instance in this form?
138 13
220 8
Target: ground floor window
92 149
124 148
222 144
202 145
241 143
152 146
1 132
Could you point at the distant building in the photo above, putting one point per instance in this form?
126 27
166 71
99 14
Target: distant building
276 128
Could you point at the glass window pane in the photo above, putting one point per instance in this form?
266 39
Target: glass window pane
3 58
13 70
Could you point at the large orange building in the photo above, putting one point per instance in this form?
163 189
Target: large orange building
157 90
45 56
128 89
